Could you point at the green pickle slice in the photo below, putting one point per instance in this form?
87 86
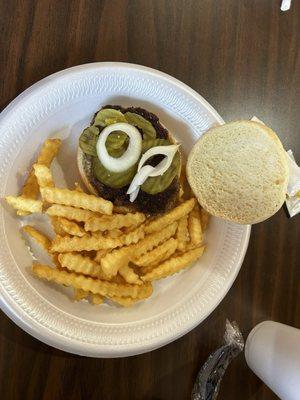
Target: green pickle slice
116 140
88 140
109 116
114 180
142 123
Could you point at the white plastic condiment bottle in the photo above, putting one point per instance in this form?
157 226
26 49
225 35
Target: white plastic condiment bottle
272 351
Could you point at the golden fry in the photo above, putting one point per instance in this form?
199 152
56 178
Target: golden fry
97 299
95 286
156 255
81 265
132 237
124 301
182 234
194 225
43 175
72 213
113 261
25 204
71 227
38 236
156 263
115 221
205 216
68 244
129 275
31 187
173 265
122 209
114 233
100 254
80 294
152 240
173 215
56 225
76 199
48 151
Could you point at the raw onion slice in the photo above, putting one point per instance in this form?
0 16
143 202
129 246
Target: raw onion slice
130 156
146 171
140 178
168 151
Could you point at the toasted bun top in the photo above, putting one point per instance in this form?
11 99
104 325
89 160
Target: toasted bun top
239 172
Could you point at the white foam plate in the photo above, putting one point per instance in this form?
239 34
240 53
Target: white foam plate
61 105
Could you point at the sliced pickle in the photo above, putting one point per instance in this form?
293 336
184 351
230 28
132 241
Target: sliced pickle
146 126
88 140
114 180
116 140
109 116
147 144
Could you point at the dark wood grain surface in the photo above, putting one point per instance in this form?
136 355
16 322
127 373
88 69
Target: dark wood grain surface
243 57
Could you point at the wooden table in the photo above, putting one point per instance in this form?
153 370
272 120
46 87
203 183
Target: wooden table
243 57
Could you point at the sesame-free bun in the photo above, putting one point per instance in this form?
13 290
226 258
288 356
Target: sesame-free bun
238 171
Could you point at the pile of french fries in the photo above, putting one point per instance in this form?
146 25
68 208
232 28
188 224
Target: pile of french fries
102 251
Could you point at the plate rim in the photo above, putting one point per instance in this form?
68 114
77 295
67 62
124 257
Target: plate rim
64 343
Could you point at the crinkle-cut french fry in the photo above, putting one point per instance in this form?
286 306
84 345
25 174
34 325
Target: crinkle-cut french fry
81 265
115 221
68 244
114 233
155 264
205 216
48 151
25 204
113 261
122 209
72 213
173 215
124 301
56 225
194 226
31 187
92 285
184 184
155 255
129 301
43 241
129 275
173 265
38 236
182 234
76 199
100 254
97 299
132 237
151 241
80 294
43 175
71 227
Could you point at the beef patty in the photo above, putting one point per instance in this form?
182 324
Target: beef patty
145 202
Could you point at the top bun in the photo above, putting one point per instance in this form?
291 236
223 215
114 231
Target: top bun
239 172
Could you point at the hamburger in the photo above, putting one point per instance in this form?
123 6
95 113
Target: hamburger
239 172
128 157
